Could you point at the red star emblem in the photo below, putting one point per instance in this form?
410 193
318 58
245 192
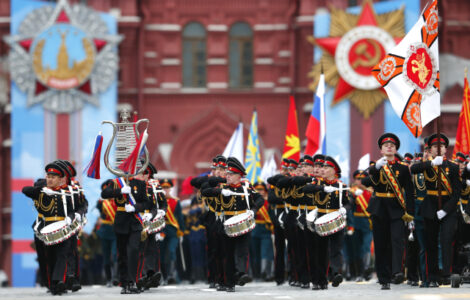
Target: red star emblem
367 17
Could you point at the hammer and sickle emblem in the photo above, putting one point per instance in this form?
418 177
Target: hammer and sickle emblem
365 59
418 65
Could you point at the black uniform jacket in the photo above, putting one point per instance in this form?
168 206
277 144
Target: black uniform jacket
448 201
384 204
125 222
50 208
232 204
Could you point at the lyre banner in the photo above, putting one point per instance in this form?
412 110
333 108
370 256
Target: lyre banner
63 61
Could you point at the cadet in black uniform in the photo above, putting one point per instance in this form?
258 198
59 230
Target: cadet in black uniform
279 208
233 205
152 251
52 208
392 206
440 217
328 200
128 227
80 208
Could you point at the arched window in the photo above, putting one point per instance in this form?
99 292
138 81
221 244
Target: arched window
241 56
194 55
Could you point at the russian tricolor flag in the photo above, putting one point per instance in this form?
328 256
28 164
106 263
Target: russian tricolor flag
316 128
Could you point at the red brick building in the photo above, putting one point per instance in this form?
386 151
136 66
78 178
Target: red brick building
195 68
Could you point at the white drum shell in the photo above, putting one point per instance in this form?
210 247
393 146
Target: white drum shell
158 223
239 225
330 223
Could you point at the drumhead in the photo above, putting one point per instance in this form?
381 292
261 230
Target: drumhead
328 217
54 226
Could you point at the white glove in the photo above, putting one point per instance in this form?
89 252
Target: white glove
342 210
350 232
358 192
467 181
126 190
68 220
329 189
314 213
226 193
158 237
129 208
147 217
252 213
411 225
380 163
47 191
441 214
78 217
437 161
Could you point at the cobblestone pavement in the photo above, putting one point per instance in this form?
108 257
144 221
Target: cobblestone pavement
256 290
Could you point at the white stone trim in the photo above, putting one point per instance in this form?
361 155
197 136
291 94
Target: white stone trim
217 85
150 54
150 80
282 90
451 108
217 27
193 90
264 85
5 19
306 18
163 27
170 85
264 61
128 19
270 27
284 53
170 62
283 80
216 61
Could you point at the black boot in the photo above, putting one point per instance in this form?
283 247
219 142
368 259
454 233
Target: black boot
132 288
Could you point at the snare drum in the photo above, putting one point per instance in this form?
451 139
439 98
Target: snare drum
58 232
157 224
330 223
239 224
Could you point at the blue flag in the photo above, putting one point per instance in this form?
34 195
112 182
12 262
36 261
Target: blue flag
253 157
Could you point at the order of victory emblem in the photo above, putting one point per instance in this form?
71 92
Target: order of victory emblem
63 56
357 43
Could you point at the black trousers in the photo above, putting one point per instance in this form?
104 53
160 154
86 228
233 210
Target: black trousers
292 244
412 257
328 254
73 262
42 260
57 256
234 253
312 254
301 261
279 253
212 247
389 242
151 255
462 238
128 256
443 231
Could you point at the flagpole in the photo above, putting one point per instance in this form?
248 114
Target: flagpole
439 169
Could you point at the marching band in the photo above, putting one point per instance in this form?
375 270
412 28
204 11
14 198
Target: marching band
322 229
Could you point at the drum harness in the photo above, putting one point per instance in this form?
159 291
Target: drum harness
245 193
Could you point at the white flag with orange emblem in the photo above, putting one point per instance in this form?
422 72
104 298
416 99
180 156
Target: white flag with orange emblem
410 73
